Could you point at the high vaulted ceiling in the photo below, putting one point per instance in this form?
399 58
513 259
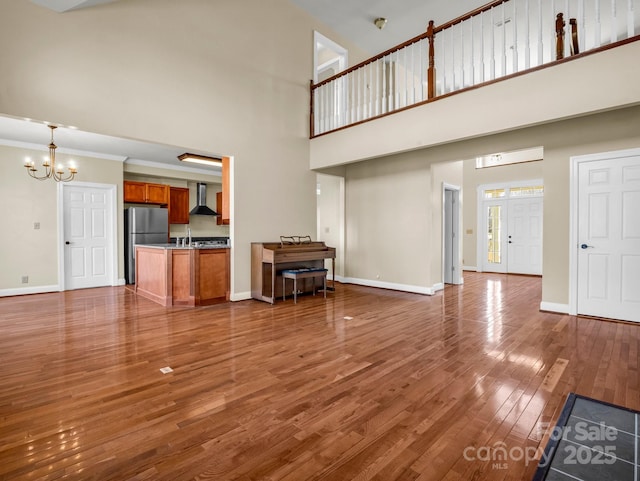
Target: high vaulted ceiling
353 19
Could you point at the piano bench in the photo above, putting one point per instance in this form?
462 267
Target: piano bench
303 273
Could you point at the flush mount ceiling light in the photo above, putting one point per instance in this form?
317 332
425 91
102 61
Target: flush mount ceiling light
380 22
51 170
201 159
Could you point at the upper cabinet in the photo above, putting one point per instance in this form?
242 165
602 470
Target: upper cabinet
219 219
223 206
145 193
178 205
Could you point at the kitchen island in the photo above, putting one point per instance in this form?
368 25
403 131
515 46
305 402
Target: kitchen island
182 276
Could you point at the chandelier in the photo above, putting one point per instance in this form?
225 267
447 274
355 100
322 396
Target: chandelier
51 170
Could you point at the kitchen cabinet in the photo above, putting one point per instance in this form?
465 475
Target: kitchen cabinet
183 277
178 205
220 220
145 193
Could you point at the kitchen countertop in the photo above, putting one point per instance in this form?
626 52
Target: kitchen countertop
175 247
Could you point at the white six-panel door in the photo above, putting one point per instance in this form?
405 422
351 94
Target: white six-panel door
88 240
608 247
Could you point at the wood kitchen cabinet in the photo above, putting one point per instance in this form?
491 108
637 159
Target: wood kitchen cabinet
145 193
178 205
183 277
219 219
223 205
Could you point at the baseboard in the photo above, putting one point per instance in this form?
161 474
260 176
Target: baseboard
393 286
554 307
470 268
240 296
20 291
121 282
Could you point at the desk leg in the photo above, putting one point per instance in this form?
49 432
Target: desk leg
333 273
273 283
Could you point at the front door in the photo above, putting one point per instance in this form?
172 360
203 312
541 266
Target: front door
511 228
609 238
88 236
524 236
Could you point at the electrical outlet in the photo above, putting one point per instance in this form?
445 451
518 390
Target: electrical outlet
25 279
36 225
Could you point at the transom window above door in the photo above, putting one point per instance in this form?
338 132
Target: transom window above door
514 192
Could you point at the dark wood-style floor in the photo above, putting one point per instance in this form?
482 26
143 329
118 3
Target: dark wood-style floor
369 384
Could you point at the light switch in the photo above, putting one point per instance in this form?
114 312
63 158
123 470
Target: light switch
469 231
36 225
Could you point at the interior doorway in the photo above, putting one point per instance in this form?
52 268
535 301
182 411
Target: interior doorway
329 58
451 269
330 205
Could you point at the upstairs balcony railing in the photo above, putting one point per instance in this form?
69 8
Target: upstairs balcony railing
500 39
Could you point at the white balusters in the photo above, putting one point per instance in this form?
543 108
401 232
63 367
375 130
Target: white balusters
513 36
614 22
598 26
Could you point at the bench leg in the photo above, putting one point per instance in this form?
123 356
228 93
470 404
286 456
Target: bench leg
324 285
295 290
284 285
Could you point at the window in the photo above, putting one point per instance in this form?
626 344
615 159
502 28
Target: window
506 158
494 193
528 191
494 247
511 192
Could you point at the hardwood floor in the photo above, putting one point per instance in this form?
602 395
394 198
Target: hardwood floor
367 385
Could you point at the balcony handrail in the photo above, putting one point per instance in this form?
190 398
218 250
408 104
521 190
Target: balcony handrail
471 14
440 62
417 38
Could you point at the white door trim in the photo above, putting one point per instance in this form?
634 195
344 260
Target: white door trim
112 195
343 54
574 185
457 229
481 241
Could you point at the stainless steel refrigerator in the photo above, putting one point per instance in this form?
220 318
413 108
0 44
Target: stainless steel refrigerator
142 225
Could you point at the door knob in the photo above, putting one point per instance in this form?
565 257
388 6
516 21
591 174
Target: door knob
584 246
67 242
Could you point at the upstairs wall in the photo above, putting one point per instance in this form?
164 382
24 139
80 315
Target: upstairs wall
594 83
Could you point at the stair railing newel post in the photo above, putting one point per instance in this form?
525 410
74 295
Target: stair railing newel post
431 72
575 49
560 24
311 120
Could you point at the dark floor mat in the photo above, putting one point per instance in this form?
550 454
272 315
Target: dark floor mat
592 441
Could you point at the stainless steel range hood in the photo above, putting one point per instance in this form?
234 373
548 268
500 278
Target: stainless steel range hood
201 207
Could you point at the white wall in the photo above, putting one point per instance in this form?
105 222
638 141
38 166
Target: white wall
394 220
393 231
34 253
226 76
